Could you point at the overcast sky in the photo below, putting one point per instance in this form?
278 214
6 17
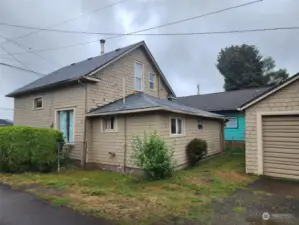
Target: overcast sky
185 60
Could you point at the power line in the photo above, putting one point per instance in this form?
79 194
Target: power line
131 33
23 69
5 109
71 19
173 34
187 19
16 59
25 48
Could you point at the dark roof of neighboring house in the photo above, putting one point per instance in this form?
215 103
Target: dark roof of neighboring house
222 101
4 122
81 69
270 91
142 102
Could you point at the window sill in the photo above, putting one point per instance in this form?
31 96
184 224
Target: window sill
110 131
177 135
38 108
69 144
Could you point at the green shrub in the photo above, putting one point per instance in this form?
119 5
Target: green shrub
196 149
28 149
153 156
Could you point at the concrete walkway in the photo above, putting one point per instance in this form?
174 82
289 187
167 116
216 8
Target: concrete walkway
21 208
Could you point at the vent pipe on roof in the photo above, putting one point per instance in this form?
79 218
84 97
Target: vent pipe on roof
102 41
198 90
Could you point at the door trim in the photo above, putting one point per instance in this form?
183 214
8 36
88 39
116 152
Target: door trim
259 133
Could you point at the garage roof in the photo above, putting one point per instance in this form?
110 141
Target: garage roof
269 92
141 102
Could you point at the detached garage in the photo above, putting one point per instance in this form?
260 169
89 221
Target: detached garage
272 131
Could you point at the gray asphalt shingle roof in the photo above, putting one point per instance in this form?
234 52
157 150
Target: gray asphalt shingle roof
73 71
230 100
143 101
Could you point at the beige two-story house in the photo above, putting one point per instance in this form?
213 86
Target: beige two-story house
101 103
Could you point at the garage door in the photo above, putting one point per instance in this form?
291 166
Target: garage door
281 146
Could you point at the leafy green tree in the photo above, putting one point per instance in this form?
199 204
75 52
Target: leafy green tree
244 67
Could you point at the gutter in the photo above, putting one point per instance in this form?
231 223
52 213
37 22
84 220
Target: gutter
154 109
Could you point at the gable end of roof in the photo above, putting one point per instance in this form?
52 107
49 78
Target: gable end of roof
269 92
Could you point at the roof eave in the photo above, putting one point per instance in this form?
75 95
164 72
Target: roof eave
154 109
16 94
269 92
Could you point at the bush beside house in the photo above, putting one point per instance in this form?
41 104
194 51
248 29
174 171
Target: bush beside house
196 149
28 149
153 156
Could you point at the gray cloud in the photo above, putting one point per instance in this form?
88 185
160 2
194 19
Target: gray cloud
186 61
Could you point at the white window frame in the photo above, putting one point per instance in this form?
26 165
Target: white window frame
104 120
232 117
152 81
34 99
135 76
202 124
182 128
74 124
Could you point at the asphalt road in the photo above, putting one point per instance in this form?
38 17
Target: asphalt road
21 208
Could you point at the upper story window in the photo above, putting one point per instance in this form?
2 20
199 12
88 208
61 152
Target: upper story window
38 103
66 124
176 126
152 78
109 124
138 76
232 122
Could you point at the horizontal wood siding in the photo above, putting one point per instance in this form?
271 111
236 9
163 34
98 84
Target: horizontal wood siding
286 99
211 132
111 88
103 143
67 97
141 124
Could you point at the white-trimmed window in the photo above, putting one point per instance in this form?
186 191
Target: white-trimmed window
152 79
66 124
232 122
138 76
200 124
38 103
109 124
177 126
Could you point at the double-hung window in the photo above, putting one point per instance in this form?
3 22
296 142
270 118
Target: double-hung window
232 122
66 124
152 77
138 76
176 126
38 103
109 124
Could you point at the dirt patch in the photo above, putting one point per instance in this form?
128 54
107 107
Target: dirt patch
231 176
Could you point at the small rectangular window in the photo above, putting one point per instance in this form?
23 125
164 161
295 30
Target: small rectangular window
66 124
109 124
200 124
232 122
152 77
138 76
38 103
177 126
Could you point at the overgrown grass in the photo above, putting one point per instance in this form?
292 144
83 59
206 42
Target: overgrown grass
118 196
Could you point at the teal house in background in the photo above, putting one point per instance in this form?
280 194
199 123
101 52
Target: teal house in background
227 104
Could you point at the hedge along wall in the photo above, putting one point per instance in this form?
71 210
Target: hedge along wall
28 149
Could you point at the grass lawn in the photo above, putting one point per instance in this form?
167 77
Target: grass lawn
186 196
